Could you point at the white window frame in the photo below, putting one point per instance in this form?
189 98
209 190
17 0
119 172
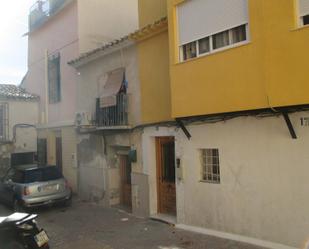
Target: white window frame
204 167
211 49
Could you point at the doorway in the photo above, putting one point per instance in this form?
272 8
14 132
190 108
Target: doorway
165 150
126 188
59 153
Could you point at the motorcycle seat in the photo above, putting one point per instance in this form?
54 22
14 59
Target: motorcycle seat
13 218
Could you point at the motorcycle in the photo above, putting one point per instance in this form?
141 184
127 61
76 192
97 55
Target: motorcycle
20 231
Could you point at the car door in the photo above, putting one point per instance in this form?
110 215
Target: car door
7 187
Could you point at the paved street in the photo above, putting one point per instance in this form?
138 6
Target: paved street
87 225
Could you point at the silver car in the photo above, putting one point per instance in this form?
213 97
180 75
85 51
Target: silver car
28 186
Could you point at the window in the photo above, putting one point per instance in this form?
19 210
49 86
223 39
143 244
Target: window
305 20
3 122
216 41
54 81
210 165
209 24
239 34
189 51
204 45
221 40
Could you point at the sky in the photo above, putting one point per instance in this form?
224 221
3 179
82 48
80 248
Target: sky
13 46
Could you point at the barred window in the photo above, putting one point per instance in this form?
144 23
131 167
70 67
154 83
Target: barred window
210 165
3 122
54 80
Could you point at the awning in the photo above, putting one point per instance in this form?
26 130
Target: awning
111 88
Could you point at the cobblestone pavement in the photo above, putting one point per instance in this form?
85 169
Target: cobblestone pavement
90 226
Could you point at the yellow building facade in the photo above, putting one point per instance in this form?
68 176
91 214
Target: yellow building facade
153 53
267 70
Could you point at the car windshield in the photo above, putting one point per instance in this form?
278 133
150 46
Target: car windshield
42 175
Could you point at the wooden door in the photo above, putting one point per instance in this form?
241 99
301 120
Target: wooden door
166 175
126 189
59 153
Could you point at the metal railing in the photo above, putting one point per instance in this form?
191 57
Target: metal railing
42 10
114 115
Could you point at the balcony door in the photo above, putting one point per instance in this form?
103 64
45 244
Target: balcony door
165 147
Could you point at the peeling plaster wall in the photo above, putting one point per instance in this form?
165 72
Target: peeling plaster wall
98 162
264 179
92 164
69 160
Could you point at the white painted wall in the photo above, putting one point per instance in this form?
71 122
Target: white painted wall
58 34
102 21
23 112
264 179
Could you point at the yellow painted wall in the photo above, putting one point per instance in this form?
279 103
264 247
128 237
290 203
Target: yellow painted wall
269 71
153 54
153 61
150 11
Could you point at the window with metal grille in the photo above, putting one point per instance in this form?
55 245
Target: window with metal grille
3 122
54 79
210 165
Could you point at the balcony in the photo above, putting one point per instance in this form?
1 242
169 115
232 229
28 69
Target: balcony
113 116
42 10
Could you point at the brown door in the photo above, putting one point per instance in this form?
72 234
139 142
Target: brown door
126 190
59 153
166 175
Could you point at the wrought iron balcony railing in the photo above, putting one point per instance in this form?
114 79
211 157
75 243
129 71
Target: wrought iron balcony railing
114 115
42 10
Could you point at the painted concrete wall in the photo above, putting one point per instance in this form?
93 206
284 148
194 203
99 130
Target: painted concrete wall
19 112
23 112
264 177
91 82
102 21
69 159
59 34
150 11
253 76
153 54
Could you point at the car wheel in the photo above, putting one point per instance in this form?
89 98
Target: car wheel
14 245
17 207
